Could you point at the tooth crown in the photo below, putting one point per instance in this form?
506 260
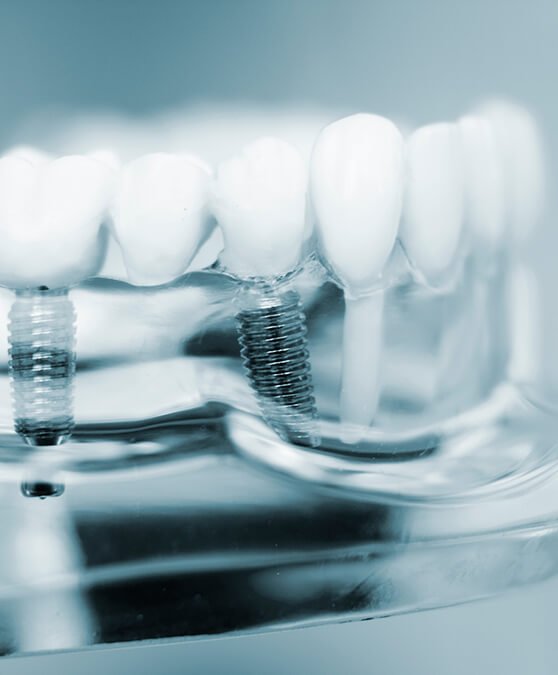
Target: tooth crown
161 215
260 203
29 153
484 188
50 219
433 209
518 141
356 185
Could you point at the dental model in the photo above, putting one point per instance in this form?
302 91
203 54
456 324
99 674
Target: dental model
260 203
51 211
433 206
161 215
356 184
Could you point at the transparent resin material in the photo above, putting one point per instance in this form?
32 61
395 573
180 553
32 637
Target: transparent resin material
176 510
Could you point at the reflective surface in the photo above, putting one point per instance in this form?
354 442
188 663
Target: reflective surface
175 511
203 541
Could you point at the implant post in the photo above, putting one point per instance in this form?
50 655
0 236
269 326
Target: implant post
42 365
272 331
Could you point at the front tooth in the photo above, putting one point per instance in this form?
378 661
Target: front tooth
260 203
356 187
161 215
520 147
50 218
433 209
356 181
484 188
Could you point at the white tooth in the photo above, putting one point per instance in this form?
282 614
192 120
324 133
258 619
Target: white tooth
161 215
356 187
50 219
106 157
484 188
260 203
356 183
433 208
32 155
519 143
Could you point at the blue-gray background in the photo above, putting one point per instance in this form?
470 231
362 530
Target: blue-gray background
423 60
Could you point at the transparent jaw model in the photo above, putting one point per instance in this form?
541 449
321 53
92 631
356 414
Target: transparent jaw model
232 467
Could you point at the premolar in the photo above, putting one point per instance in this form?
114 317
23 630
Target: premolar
161 215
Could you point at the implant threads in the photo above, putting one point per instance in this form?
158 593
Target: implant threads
42 365
272 336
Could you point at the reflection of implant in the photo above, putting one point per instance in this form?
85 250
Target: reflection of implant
260 203
272 336
42 365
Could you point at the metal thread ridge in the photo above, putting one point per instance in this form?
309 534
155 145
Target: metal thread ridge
272 336
42 365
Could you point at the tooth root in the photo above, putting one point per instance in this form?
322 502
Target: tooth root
525 325
362 349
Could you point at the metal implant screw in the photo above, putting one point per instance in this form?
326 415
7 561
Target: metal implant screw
42 365
272 335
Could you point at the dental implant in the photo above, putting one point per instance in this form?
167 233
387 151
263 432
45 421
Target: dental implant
260 203
51 216
42 365
272 336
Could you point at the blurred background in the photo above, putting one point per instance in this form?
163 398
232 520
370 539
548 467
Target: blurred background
414 60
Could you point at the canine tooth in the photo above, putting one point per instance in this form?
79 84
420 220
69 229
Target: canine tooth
161 215
433 206
356 184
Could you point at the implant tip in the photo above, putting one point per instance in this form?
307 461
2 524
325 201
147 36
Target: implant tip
41 489
44 435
